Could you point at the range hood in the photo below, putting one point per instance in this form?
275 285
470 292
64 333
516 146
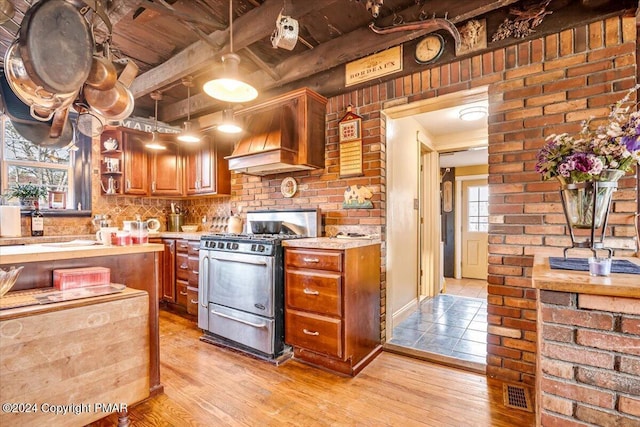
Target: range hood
285 134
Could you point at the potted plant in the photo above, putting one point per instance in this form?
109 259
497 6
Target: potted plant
28 193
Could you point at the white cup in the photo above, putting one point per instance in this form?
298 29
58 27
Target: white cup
104 235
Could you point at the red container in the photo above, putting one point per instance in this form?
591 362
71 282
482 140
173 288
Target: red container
72 278
121 238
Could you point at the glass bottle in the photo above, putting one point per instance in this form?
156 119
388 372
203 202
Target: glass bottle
37 220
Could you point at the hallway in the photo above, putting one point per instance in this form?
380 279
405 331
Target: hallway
452 326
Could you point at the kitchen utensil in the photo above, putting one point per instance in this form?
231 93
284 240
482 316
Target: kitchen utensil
175 222
266 227
42 103
110 144
6 11
113 104
103 75
39 133
139 232
122 238
112 186
190 228
89 123
8 279
56 46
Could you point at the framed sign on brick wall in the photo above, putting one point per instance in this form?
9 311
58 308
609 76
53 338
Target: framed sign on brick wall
350 135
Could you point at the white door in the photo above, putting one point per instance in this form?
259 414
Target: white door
475 227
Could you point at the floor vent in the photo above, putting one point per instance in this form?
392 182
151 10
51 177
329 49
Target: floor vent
517 397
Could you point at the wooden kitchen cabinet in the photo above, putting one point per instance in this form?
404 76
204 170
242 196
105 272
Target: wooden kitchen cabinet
332 306
135 163
165 173
167 270
206 171
182 272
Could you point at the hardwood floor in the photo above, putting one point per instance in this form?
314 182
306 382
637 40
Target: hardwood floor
210 386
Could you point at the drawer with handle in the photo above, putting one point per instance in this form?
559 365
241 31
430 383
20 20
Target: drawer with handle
182 246
192 300
181 290
316 333
314 291
320 260
182 266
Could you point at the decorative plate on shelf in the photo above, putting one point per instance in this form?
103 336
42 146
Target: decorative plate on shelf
288 187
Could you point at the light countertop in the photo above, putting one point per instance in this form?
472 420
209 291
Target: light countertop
329 243
58 251
616 284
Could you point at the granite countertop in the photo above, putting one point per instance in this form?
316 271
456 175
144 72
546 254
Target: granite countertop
329 243
57 251
616 284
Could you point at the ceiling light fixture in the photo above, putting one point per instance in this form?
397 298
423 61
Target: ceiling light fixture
229 125
230 87
476 112
155 143
187 134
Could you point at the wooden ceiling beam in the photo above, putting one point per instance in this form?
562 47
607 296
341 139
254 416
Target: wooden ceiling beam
254 25
351 46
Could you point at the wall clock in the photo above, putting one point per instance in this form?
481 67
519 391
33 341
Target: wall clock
429 49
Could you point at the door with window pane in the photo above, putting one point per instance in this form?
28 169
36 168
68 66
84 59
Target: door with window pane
475 227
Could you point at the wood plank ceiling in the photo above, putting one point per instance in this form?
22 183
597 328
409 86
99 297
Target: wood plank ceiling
173 39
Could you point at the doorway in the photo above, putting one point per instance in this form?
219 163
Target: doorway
424 319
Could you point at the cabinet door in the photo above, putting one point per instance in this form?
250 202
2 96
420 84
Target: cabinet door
206 170
135 167
169 270
166 172
192 171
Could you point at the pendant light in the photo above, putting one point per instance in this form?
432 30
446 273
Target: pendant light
188 135
155 143
230 87
229 125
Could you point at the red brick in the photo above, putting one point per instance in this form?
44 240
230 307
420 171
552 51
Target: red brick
629 405
578 318
558 333
557 368
505 291
551 420
503 352
630 325
557 404
576 354
609 380
594 416
525 325
519 344
605 341
579 393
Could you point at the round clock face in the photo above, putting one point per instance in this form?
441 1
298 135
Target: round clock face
429 49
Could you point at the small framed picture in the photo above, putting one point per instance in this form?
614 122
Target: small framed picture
349 130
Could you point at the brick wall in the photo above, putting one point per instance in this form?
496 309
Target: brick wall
536 88
590 360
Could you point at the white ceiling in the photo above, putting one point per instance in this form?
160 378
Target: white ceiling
443 122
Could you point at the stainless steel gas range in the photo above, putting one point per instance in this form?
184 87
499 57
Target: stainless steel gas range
241 288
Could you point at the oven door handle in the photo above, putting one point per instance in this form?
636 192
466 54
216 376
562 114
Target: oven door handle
243 261
203 282
255 325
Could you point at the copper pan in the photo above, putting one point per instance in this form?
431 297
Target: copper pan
103 74
113 104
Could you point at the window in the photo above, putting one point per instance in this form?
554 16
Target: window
58 169
478 199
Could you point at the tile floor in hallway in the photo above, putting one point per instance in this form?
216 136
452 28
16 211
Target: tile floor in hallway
453 325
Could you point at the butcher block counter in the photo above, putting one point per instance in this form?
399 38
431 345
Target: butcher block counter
330 243
135 266
72 363
588 333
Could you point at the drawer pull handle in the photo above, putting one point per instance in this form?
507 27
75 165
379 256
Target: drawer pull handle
184 266
310 259
183 293
308 291
184 246
193 301
308 332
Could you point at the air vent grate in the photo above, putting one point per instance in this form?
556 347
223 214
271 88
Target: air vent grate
517 397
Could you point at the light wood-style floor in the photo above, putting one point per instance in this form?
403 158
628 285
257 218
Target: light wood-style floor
209 386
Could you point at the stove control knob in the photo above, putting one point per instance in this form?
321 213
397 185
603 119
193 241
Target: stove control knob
228 245
221 245
253 248
260 248
235 246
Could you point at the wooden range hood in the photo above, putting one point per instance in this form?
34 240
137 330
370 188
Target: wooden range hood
283 134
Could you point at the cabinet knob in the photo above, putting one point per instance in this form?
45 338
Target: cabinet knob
128 184
153 186
184 266
308 332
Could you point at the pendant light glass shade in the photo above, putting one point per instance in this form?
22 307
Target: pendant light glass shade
228 124
229 87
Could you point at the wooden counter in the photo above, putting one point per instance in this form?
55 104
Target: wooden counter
329 243
76 356
136 266
617 284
